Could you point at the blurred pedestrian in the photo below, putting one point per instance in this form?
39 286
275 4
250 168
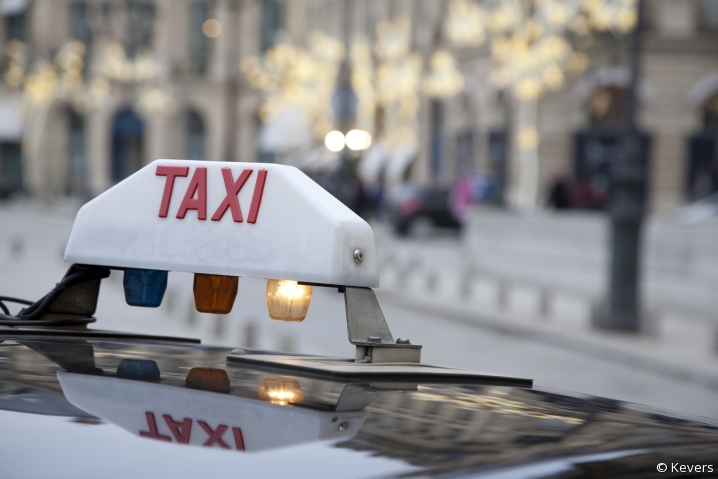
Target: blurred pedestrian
559 196
462 196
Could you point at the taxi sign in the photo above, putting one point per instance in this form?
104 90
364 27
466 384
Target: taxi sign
221 218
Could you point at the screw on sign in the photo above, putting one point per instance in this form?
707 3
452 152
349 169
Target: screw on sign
198 187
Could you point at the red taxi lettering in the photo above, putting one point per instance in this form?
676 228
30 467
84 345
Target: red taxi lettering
231 201
238 438
183 430
195 198
153 433
171 172
197 185
215 436
180 430
257 197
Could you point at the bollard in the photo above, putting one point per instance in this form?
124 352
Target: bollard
502 293
432 282
191 314
544 303
17 246
250 335
220 325
467 278
287 344
169 301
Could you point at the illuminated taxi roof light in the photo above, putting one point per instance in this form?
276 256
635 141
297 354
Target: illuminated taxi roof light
288 300
281 391
225 218
214 293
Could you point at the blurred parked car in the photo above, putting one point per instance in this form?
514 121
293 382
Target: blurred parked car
418 210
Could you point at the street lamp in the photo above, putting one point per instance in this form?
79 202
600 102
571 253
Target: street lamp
627 208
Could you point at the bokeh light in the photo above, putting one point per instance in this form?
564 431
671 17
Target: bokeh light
212 28
334 141
358 140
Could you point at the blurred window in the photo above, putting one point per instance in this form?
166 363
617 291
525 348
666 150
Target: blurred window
710 15
127 144
76 154
10 167
80 27
15 26
262 156
195 135
199 42
703 151
394 9
498 160
370 20
710 113
437 127
271 23
464 152
141 17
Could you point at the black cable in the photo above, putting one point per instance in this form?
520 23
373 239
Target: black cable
15 300
36 310
10 299
29 316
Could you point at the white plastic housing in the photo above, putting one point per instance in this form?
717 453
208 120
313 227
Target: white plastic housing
300 231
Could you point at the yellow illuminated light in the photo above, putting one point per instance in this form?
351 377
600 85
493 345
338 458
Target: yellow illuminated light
288 300
281 391
358 140
334 141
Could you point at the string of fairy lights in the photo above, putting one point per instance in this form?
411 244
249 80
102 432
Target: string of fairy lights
534 46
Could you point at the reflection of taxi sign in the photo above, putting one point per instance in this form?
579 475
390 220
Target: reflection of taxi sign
199 418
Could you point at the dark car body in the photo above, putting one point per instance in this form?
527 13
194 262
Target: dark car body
69 409
413 208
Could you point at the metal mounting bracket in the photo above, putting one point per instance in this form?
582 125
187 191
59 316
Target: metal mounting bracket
368 331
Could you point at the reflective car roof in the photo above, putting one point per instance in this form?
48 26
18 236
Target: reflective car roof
64 408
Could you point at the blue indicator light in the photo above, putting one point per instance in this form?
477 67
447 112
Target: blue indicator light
144 287
139 370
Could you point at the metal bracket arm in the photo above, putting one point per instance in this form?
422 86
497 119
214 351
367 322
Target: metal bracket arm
369 332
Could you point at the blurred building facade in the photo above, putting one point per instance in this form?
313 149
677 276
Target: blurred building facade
197 104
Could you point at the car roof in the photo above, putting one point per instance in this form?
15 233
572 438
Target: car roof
61 401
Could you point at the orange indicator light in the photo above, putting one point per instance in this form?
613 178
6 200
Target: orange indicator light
281 391
214 293
288 300
208 379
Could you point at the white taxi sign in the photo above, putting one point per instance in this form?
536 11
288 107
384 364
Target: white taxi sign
235 219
